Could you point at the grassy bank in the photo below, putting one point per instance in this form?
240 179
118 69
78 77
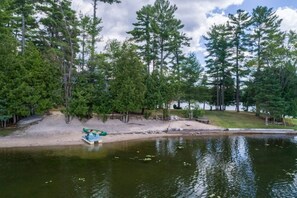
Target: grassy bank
6 131
232 119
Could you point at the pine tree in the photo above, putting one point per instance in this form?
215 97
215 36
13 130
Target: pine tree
127 86
143 34
288 74
95 29
269 96
191 71
24 23
6 15
267 40
9 62
59 40
239 41
217 60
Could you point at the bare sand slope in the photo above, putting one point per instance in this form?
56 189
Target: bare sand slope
53 130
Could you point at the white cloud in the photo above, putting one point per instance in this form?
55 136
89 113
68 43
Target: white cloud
289 17
197 16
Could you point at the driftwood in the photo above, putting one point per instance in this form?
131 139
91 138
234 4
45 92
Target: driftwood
203 120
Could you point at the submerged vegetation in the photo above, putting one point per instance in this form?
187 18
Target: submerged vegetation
51 61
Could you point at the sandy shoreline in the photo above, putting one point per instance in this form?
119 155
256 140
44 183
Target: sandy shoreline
53 131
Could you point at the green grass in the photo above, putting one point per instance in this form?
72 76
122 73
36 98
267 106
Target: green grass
232 119
6 131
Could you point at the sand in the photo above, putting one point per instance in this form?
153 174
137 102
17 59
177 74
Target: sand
53 131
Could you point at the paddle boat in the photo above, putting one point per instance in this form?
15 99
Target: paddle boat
93 135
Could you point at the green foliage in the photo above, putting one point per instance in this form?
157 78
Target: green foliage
5 17
190 73
158 35
79 105
217 61
238 27
197 112
193 112
27 87
128 86
166 114
266 37
42 64
269 95
147 114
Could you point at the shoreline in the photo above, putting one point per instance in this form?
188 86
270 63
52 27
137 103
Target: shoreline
53 131
60 140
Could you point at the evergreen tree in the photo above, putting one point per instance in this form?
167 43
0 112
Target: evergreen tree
191 71
143 35
217 60
59 40
127 86
9 62
6 15
239 41
95 29
269 97
204 91
84 26
158 35
267 41
288 74
24 23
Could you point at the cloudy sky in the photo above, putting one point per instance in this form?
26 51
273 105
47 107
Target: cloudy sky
196 15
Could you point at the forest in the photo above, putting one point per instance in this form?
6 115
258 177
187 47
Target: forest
49 60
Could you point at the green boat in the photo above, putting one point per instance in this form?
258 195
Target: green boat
97 131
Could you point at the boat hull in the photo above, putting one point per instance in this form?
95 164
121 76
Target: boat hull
91 142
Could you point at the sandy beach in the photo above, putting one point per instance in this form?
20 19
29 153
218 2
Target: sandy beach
53 130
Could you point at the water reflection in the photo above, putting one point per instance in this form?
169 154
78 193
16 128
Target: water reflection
178 167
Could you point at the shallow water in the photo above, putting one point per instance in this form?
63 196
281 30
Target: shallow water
236 166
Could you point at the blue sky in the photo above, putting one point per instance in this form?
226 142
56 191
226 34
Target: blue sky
248 5
197 16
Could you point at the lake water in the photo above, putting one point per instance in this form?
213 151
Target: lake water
236 166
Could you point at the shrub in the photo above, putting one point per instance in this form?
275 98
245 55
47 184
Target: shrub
147 114
198 112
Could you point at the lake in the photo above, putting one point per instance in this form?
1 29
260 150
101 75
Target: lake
235 166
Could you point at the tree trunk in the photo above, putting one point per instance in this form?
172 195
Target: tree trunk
237 80
190 112
223 92
284 121
68 70
14 119
266 120
83 52
126 117
23 33
257 109
178 104
218 95
162 56
94 27
258 69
